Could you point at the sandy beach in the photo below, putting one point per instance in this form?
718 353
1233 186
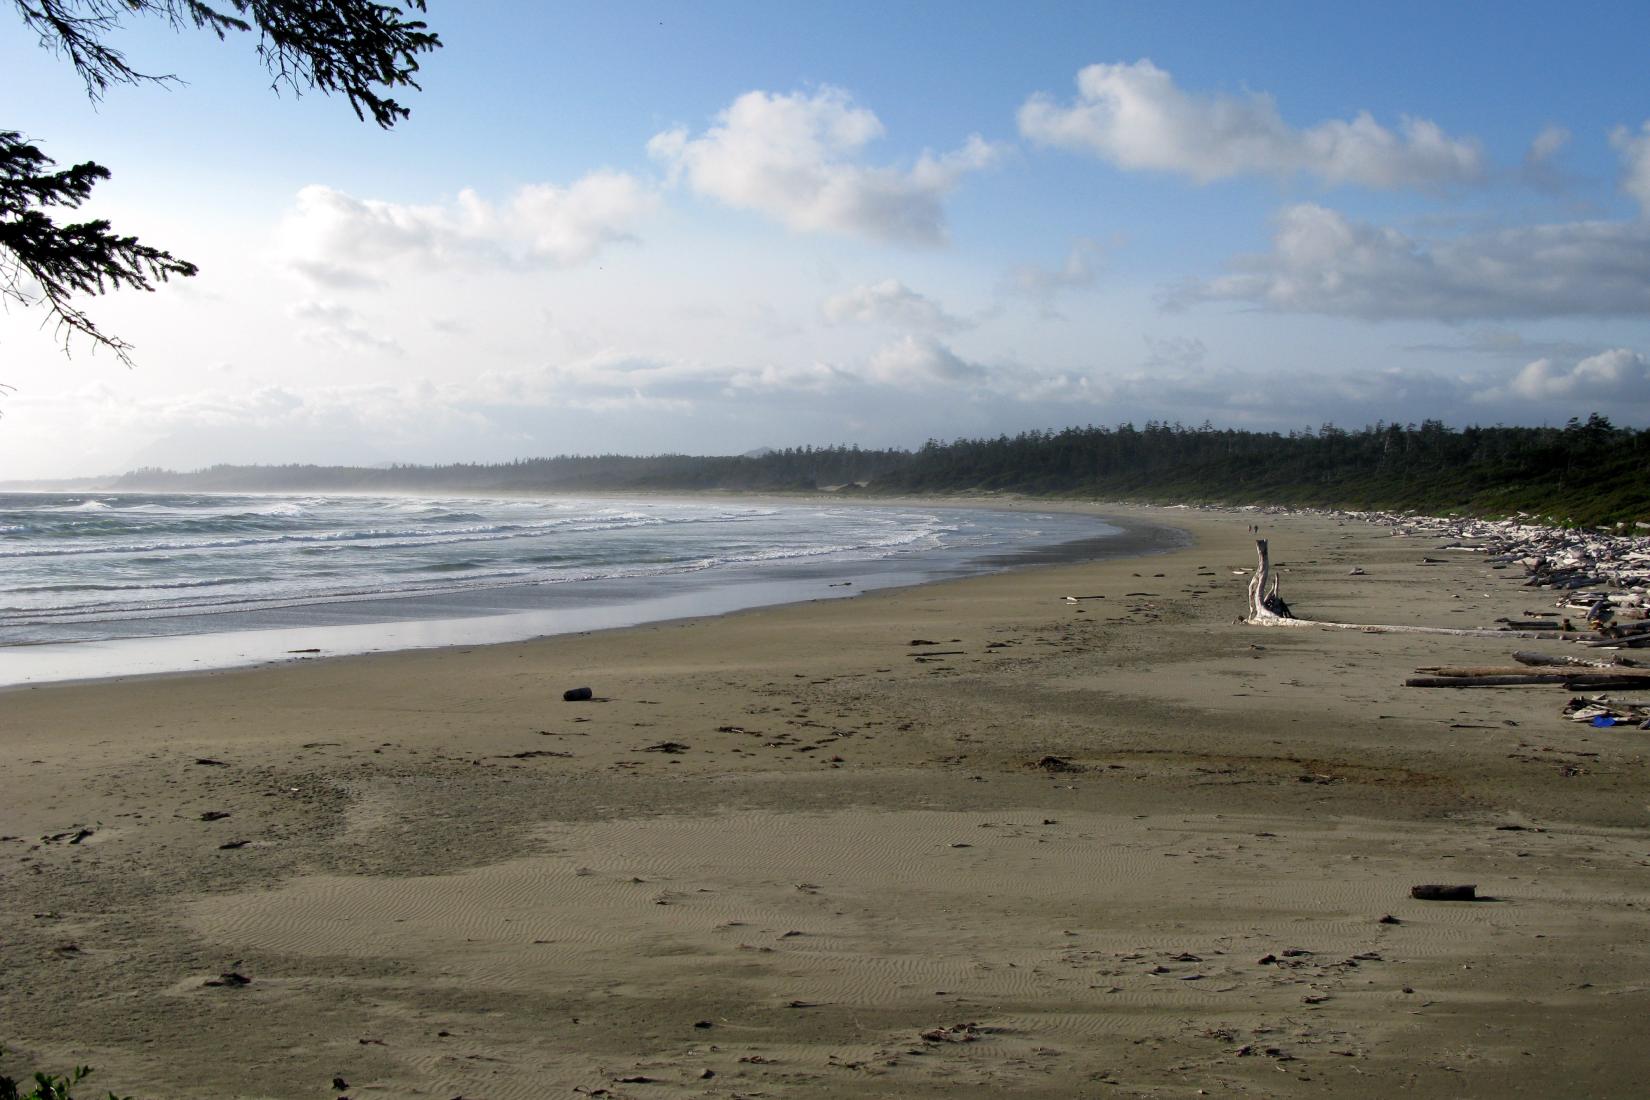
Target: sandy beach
965 839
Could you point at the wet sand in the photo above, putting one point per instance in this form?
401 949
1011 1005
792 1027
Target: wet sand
958 840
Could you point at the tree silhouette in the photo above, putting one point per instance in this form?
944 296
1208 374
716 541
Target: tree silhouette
359 49
1431 468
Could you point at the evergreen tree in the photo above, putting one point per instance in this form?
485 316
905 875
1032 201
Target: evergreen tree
359 49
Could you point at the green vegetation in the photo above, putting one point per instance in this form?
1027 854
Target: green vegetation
362 49
1585 473
46 1086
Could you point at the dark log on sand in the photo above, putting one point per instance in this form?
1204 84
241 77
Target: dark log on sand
1438 892
1534 679
1574 681
1620 684
1563 673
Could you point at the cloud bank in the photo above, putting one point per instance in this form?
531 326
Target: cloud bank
1323 262
891 303
1617 375
911 387
1635 158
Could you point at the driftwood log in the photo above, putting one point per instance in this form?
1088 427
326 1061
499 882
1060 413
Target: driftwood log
1634 641
1525 657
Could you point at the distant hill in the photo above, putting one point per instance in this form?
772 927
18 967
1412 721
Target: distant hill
56 485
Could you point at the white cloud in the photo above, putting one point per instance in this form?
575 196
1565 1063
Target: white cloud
889 302
339 326
912 363
611 379
565 226
1175 352
1321 262
1280 399
802 378
1548 142
340 241
1635 158
795 158
1619 374
1508 344
1044 285
917 361
1134 116
1538 169
915 364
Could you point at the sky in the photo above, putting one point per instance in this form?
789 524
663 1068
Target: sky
644 228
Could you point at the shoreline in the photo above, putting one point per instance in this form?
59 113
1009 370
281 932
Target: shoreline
955 838
328 630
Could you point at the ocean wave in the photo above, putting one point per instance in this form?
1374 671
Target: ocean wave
187 545
177 537
136 586
398 581
159 555
114 611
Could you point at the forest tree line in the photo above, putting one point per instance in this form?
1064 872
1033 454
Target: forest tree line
1586 472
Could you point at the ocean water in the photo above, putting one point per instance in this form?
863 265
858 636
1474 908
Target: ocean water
94 584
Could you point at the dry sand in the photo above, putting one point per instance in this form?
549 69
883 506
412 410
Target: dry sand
779 848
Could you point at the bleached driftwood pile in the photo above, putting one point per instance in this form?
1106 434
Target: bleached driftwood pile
1603 579
1266 608
1553 557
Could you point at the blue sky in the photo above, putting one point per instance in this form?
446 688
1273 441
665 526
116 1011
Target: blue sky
635 227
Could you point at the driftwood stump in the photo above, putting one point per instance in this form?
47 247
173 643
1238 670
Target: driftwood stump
1264 601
